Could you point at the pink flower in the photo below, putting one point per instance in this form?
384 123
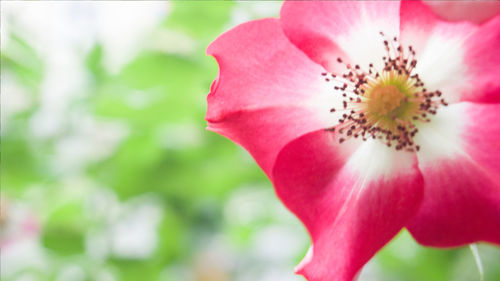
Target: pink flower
367 117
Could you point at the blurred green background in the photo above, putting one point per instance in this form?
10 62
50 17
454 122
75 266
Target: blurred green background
109 174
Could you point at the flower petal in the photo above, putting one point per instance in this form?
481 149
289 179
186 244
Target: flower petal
325 30
267 92
352 199
266 131
474 11
483 59
462 184
259 68
458 58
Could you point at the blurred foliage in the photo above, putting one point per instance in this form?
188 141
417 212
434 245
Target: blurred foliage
166 154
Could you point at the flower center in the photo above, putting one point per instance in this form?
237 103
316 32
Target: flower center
384 99
384 104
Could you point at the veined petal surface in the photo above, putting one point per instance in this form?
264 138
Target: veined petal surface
462 177
267 92
325 30
352 199
459 58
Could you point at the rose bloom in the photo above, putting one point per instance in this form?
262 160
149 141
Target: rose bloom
368 117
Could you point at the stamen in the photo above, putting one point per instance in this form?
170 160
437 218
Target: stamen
384 104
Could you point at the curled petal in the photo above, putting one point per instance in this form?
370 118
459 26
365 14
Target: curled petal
267 92
462 177
352 198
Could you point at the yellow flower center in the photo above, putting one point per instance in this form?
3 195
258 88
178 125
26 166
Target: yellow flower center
390 101
384 104
384 99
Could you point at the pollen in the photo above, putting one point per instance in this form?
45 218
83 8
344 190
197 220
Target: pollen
384 99
385 104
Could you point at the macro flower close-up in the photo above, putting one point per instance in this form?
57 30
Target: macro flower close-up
368 117
228 140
